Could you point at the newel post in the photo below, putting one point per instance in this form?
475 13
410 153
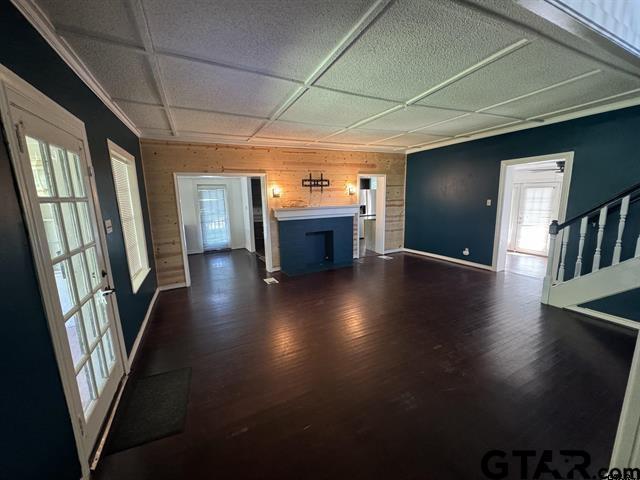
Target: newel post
548 279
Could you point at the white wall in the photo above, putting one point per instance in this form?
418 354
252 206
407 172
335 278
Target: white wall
188 188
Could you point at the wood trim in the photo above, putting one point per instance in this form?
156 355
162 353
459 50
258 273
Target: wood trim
307 213
448 259
501 231
525 125
605 316
143 328
172 286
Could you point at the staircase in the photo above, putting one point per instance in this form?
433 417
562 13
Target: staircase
594 255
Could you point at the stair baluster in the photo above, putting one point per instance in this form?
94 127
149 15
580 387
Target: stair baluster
624 210
563 252
583 233
602 220
549 277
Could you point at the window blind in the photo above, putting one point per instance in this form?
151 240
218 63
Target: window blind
125 182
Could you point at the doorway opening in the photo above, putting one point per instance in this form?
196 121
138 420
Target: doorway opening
257 224
372 196
533 193
219 214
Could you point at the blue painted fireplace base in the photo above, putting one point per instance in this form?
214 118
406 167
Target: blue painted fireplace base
314 245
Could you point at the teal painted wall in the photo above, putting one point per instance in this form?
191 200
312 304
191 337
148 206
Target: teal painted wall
447 187
625 305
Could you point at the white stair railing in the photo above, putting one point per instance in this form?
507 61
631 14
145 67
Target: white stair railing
624 210
602 222
583 233
556 266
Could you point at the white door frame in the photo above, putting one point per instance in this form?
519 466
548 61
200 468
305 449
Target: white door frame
265 215
12 89
503 213
381 209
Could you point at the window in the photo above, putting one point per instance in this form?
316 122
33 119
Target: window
126 183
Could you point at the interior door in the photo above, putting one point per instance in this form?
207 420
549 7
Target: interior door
214 217
54 166
537 207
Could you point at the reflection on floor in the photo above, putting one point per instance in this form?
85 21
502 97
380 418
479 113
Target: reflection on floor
363 250
412 368
530 265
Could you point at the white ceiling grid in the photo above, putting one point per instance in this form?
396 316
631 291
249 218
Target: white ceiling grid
382 75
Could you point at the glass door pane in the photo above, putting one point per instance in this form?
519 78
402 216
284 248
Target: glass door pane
214 220
536 211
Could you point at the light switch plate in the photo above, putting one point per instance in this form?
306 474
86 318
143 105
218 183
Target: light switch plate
488 202
108 226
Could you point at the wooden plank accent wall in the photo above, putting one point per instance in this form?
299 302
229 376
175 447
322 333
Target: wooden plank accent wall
284 167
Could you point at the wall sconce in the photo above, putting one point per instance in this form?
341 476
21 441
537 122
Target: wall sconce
275 192
351 190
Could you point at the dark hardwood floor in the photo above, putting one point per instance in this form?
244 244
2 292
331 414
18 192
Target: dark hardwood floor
408 368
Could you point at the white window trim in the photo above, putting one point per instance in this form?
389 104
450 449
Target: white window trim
122 155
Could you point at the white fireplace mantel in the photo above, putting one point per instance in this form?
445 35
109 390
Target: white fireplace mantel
308 213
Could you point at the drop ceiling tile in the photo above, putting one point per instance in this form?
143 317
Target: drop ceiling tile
297 131
125 74
360 136
287 37
214 123
467 124
145 116
410 139
203 86
530 68
577 93
415 45
112 18
326 107
411 118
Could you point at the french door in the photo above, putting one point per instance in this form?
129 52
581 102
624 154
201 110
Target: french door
54 180
536 206
214 217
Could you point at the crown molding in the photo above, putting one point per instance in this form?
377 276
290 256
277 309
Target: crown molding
529 124
213 139
39 20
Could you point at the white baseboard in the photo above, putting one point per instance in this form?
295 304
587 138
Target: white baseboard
143 328
274 269
605 316
394 250
171 286
449 259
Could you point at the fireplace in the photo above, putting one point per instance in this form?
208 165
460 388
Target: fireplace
319 248
315 238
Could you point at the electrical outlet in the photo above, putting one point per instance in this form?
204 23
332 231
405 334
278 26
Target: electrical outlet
465 252
488 202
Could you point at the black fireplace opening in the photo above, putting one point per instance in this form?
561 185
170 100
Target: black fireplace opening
319 248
